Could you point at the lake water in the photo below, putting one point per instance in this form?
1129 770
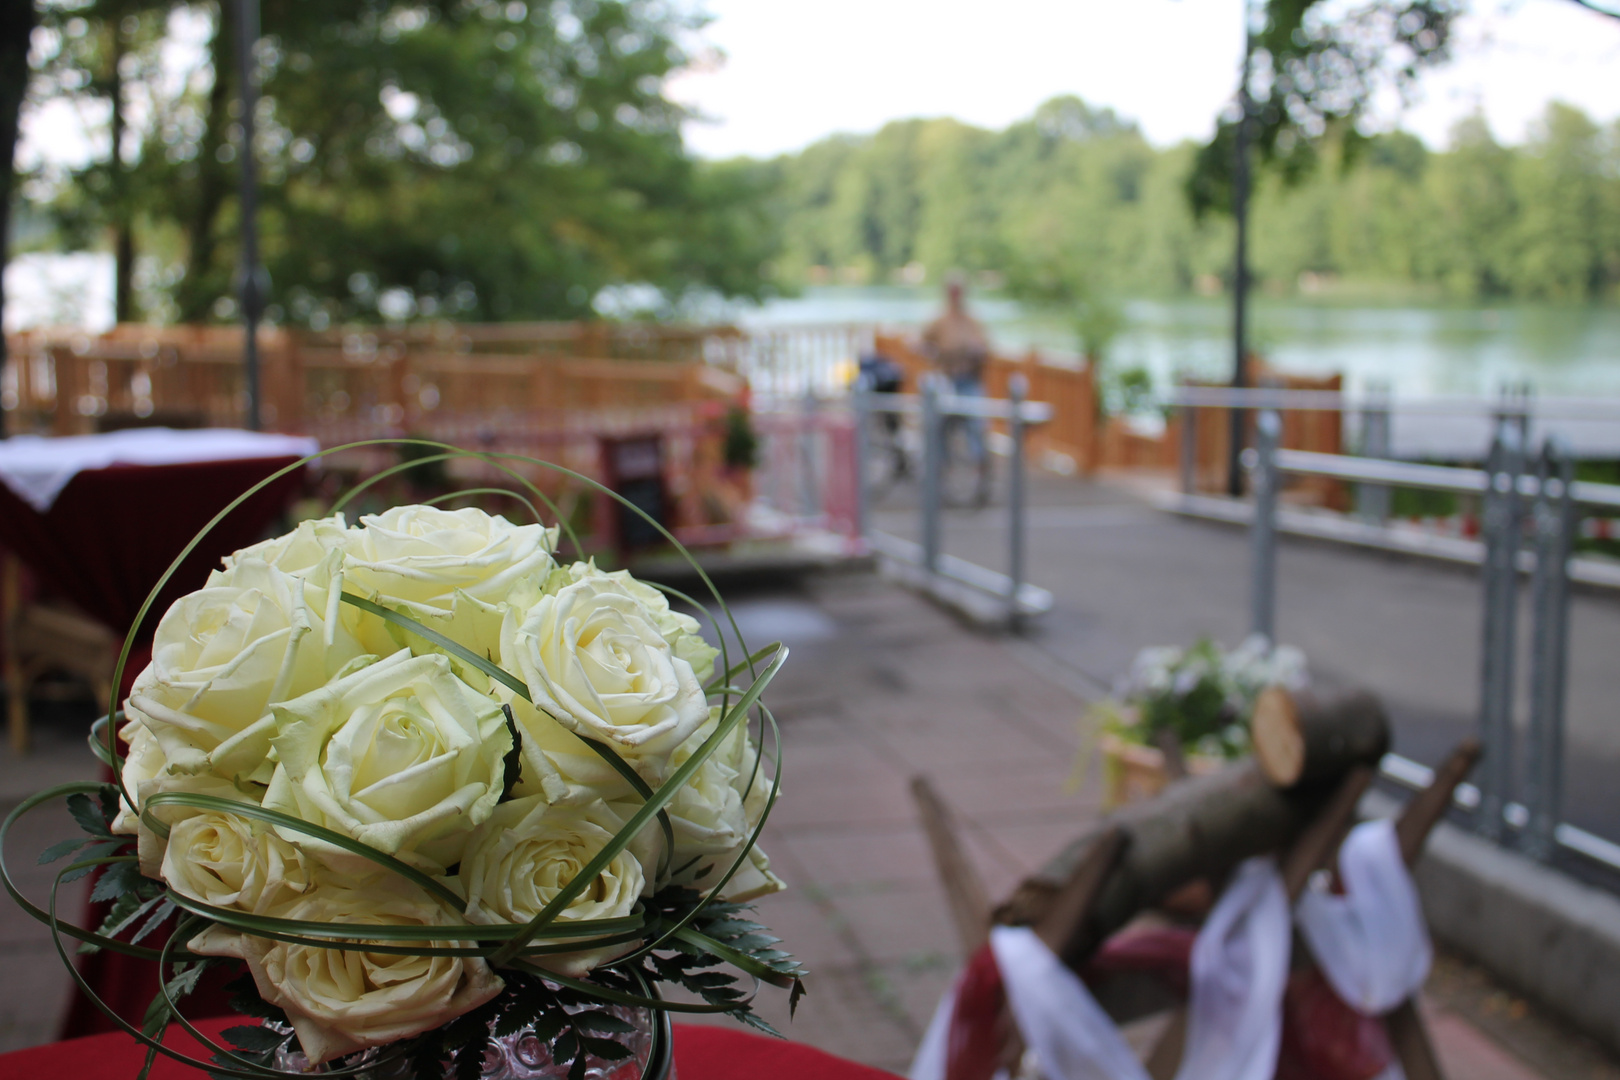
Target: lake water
1417 350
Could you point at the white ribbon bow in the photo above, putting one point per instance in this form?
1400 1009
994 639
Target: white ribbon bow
1371 943
1239 968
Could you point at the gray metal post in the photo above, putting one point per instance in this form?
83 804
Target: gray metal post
252 274
1373 500
860 404
931 474
1189 449
1263 534
1554 518
1502 527
809 489
1017 391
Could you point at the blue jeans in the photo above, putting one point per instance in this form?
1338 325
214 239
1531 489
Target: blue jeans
971 386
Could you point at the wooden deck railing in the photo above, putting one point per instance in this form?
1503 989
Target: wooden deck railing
395 380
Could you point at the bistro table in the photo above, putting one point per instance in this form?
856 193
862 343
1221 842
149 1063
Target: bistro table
100 517
701 1053
97 519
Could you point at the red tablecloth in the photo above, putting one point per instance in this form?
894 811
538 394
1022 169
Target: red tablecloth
112 532
701 1053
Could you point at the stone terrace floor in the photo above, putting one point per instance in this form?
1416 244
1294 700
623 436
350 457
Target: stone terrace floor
881 686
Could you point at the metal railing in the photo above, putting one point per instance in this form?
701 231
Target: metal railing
934 405
1505 484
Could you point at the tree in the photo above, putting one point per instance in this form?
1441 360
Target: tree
467 158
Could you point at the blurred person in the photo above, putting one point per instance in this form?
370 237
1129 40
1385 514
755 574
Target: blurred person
956 344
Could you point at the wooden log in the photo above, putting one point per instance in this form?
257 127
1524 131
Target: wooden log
1319 842
1428 806
1201 827
1408 1035
1303 739
1072 903
964 888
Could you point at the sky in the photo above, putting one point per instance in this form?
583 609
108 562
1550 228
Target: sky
777 76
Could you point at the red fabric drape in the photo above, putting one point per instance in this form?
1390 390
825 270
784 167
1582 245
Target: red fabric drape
701 1053
112 532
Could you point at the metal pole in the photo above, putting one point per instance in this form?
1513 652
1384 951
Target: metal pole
1240 262
1554 517
1189 449
1017 391
1263 535
809 496
931 471
861 403
1502 527
1373 500
252 290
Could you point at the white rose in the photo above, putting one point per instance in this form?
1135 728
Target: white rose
529 850
401 755
717 810
223 655
422 555
343 1000
593 657
560 764
142 762
300 552
228 861
680 630
151 847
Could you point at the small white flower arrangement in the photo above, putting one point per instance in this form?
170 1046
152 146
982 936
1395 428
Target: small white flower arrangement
1201 697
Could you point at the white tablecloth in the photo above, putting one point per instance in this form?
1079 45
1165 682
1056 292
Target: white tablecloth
36 469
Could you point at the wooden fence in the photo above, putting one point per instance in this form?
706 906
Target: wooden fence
1092 441
543 386
388 380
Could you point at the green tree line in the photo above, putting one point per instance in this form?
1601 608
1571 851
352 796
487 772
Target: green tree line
1077 193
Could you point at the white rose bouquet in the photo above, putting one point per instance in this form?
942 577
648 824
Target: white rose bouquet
433 787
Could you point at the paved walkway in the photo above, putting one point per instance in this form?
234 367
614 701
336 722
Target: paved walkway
1126 575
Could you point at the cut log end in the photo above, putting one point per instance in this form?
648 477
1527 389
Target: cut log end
1279 744
1304 739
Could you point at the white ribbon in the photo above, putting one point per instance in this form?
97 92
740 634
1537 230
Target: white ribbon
1239 967
1071 1035
1371 943
1239 972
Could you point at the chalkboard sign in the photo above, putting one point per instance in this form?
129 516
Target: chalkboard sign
635 469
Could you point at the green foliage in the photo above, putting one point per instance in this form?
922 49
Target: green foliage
465 158
741 447
1074 210
1321 68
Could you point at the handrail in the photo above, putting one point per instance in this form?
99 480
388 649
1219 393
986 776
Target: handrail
1340 401
1031 412
1429 477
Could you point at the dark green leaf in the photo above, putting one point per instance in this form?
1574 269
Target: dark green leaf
61 848
244 999
115 881
606 1049
513 762
125 911
254 1038
162 912
88 816
798 991
591 1020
